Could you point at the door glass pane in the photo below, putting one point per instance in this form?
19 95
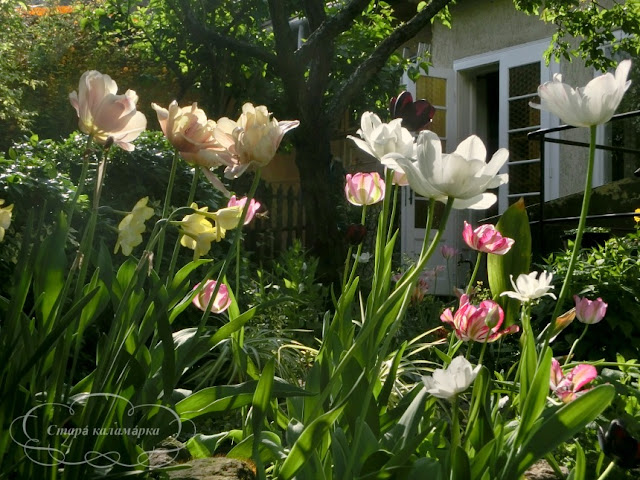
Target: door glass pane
524 178
524 79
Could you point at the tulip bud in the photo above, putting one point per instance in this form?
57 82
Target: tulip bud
590 311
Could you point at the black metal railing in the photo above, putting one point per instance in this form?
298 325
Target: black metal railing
542 136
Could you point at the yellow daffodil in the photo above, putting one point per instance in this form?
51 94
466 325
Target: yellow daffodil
636 218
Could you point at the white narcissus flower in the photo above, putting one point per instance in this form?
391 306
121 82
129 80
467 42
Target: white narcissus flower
132 227
463 175
379 139
449 382
5 218
103 114
592 105
529 286
253 140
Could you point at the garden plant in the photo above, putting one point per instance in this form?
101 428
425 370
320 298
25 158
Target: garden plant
94 358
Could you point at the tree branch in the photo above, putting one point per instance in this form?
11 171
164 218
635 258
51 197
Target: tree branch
205 35
371 66
330 29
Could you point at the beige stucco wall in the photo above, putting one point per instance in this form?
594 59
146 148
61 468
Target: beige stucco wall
481 26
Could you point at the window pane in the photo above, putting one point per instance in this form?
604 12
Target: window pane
439 123
434 90
524 79
521 115
420 213
524 178
521 148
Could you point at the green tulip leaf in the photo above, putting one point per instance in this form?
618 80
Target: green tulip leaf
514 223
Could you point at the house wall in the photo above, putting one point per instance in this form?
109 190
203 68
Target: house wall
480 26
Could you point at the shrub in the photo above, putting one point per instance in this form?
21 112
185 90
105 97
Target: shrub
610 271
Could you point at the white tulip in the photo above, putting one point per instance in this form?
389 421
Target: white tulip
449 382
380 139
592 105
463 174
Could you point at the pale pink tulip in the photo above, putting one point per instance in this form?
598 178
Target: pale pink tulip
448 252
364 188
589 311
219 304
478 324
486 238
103 114
190 132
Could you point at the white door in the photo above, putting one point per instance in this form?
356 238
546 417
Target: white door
438 88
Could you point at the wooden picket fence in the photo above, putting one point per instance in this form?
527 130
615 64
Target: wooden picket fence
280 222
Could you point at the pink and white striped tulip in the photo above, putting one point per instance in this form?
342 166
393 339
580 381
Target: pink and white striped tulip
589 311
364 188
568 387
486 238
478 324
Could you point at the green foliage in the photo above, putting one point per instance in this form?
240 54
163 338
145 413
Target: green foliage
610 271
593 24
15 70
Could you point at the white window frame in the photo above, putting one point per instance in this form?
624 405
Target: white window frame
507 58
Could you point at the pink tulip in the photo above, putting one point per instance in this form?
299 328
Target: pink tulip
486 238
479 324
589 311
364 188
254 206
448 251
221 302
567 387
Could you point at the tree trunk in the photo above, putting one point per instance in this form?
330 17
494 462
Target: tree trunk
321 188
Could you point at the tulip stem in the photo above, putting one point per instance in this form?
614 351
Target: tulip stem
564 291
230 253
347 263
81 180
484 347
607 471
176 247
573 346
472 280
165 206
395 189
455 425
